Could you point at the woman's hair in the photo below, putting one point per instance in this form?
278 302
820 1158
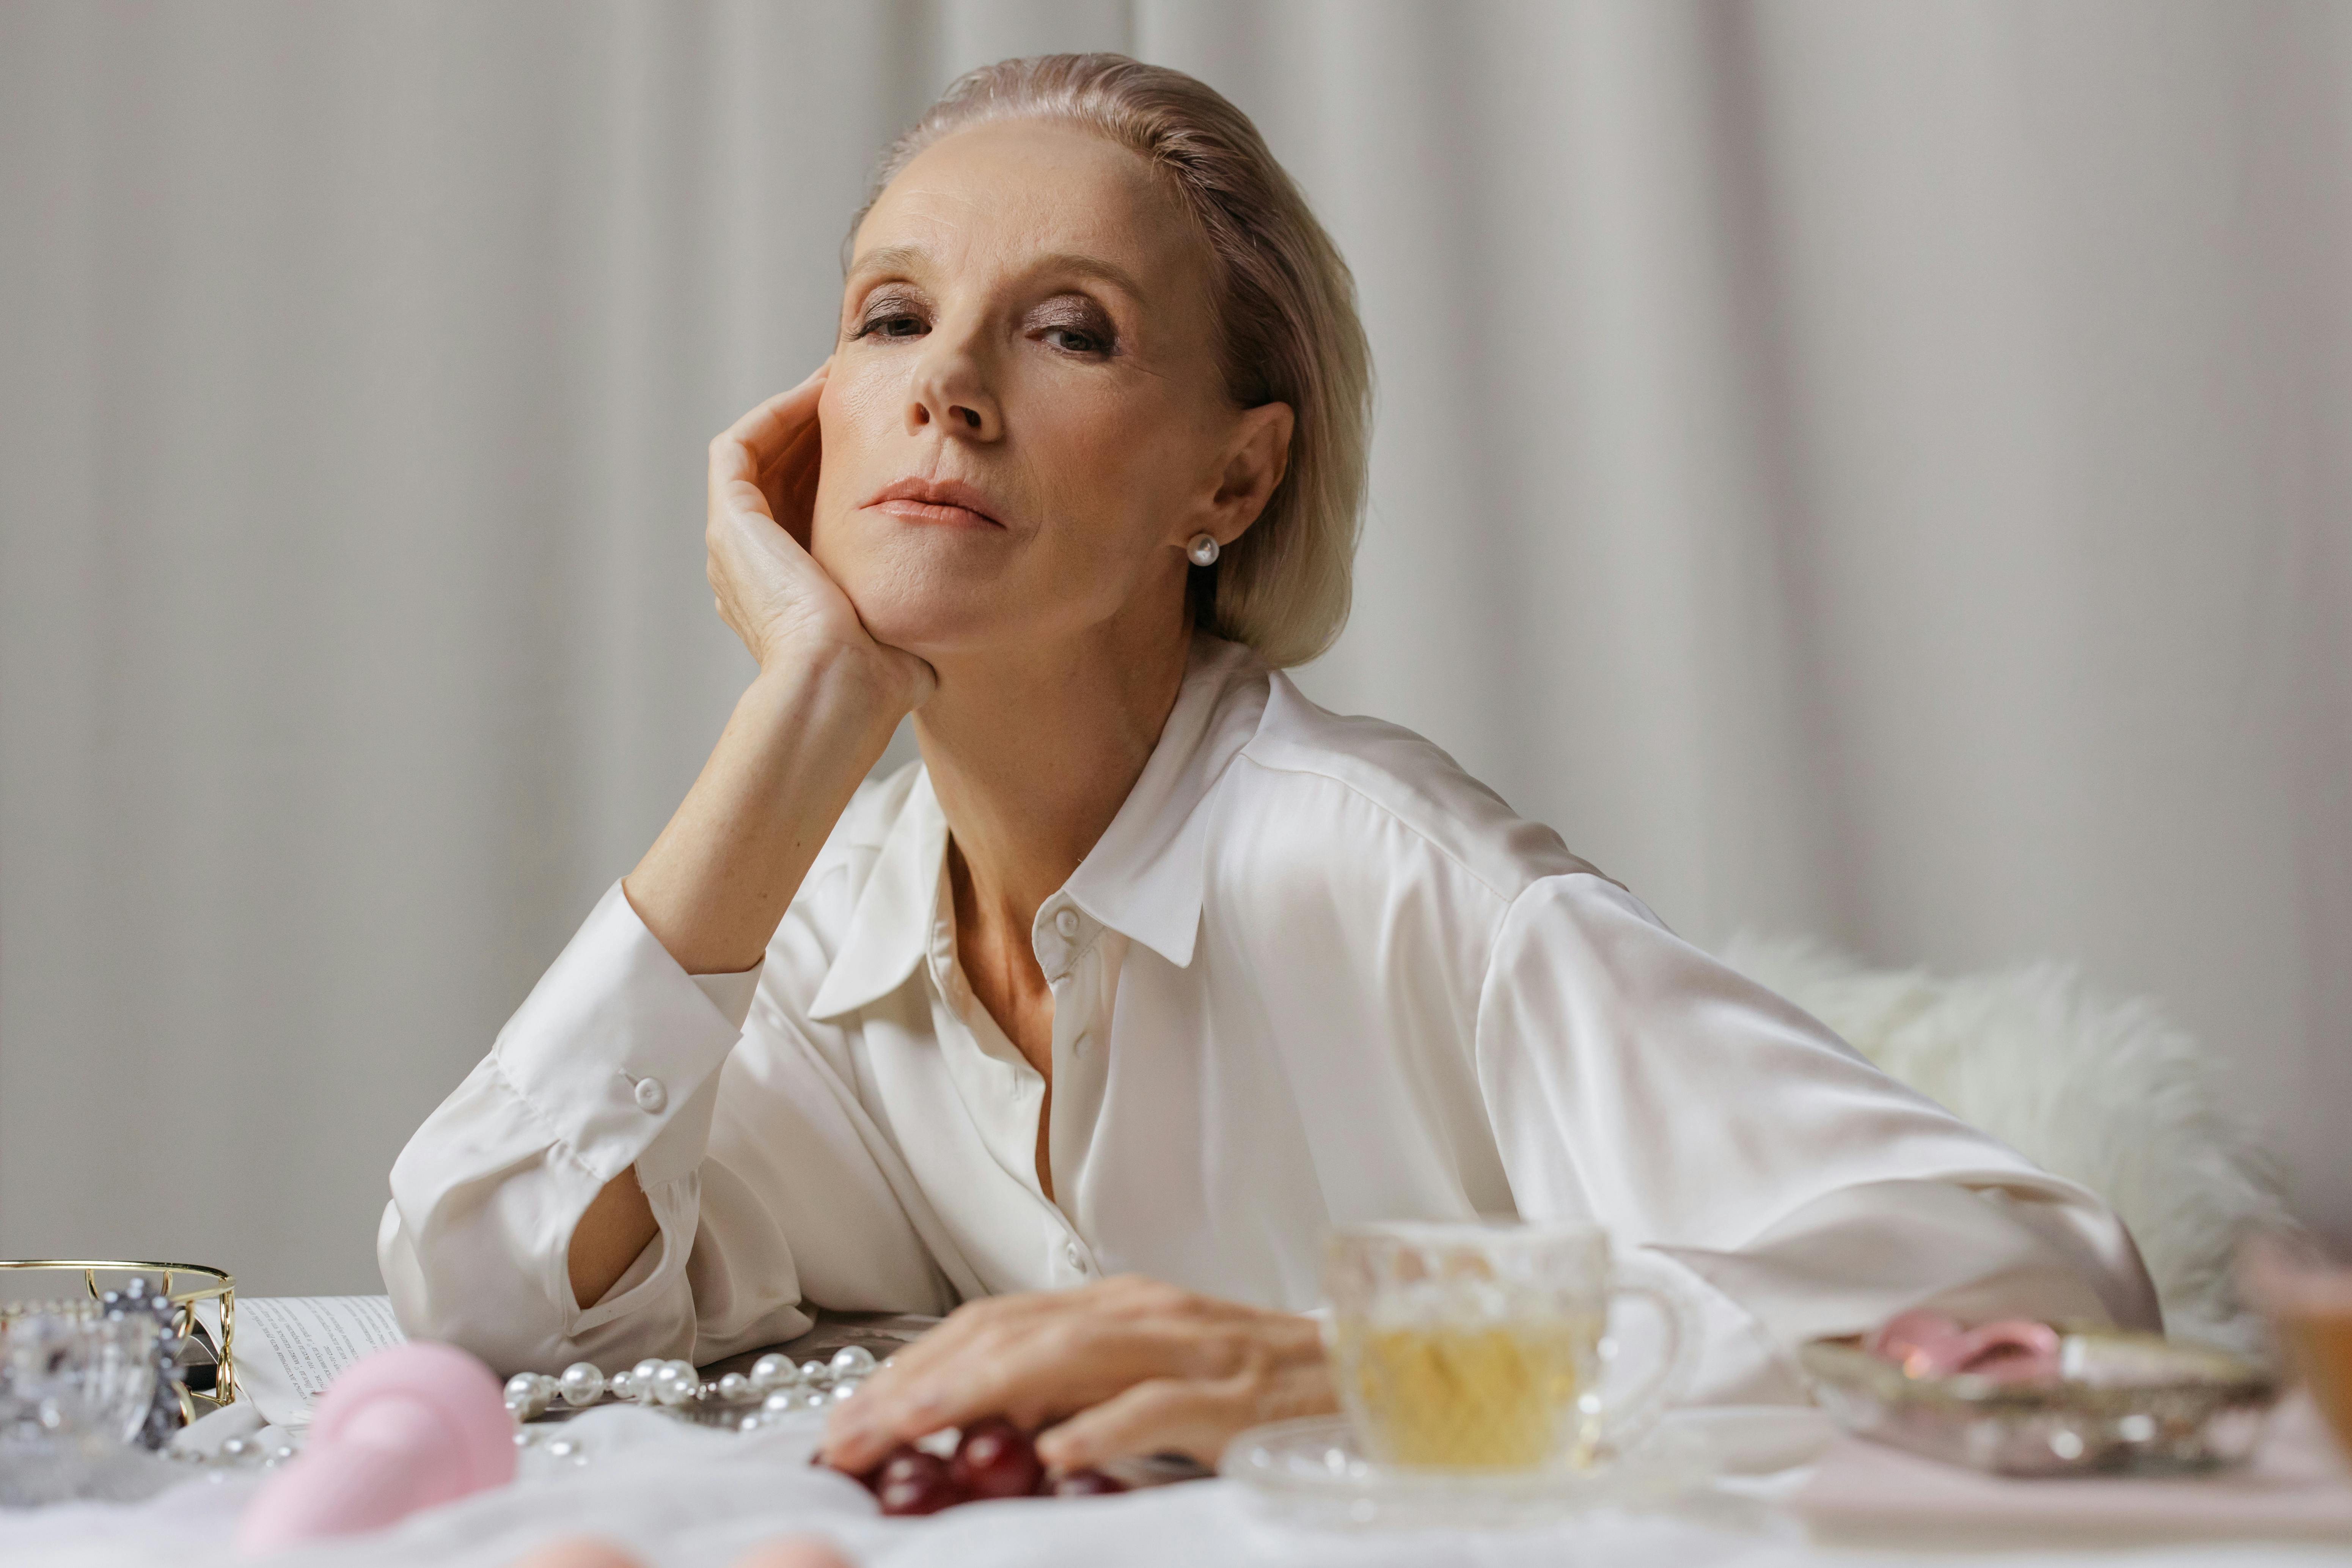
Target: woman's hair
1286 304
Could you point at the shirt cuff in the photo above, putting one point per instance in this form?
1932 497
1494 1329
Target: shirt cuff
732 993
616 1040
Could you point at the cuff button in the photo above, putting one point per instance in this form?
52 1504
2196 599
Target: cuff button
651 1095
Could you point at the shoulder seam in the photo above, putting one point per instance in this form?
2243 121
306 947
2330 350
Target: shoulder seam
1393 815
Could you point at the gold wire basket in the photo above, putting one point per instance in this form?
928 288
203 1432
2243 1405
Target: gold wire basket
220 1287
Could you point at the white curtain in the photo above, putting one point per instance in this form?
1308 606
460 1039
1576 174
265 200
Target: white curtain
1880 471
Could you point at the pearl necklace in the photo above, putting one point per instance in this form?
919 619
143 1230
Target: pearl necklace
775 1389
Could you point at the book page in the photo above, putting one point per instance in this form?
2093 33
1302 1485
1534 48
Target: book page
289 1347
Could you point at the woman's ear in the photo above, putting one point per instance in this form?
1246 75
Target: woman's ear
1255 461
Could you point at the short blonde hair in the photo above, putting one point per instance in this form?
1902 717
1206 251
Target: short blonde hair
1286 309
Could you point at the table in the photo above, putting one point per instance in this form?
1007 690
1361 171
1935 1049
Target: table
686 1497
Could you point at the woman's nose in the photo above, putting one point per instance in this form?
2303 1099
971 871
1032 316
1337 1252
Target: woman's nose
951 390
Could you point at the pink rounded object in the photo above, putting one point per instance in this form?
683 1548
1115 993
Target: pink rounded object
2016 1350
406 1428
793 1551
1930 1344
1923 1343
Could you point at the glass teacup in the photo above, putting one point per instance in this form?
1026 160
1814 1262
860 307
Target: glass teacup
1479 1347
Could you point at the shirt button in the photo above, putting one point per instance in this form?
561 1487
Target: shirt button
1067 923
651 1096
1078 1260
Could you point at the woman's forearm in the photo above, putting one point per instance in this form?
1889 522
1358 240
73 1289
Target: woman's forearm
715 884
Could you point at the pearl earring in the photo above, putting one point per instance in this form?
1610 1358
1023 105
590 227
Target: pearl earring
1203 550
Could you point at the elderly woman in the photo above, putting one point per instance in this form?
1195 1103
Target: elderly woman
1088 1028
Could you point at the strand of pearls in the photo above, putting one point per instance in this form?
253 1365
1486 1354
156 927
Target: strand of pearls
778 1388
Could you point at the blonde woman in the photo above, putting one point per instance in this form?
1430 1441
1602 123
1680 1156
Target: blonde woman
1088 1028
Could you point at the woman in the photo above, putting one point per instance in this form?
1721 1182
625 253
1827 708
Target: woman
1099 1018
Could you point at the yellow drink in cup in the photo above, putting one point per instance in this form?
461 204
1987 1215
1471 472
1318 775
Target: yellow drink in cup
1500 1397
1476 1347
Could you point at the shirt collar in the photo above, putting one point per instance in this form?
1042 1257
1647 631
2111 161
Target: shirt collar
1143 877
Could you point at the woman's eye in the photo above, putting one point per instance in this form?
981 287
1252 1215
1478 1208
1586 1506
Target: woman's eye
891 324
1087 337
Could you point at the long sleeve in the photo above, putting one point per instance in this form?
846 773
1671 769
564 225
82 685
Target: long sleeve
618 1060
1799 1192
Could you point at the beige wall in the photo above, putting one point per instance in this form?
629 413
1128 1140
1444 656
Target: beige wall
1878 471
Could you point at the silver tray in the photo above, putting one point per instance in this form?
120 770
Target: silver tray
2136 1403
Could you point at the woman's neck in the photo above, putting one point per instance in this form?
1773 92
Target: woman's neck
1031 751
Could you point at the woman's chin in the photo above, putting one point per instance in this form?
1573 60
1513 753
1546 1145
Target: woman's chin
930 625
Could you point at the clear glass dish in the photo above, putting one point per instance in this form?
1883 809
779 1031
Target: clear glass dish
2128 1402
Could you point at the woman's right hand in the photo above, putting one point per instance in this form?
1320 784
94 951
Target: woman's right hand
770 590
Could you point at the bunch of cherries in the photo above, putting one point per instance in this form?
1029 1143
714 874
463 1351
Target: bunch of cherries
993 1458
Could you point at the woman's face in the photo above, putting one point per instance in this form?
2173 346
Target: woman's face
1026 421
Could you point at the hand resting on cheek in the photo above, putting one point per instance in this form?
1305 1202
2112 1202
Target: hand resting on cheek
769 589
1129 1366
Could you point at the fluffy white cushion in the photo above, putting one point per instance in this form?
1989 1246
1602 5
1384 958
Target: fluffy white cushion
2108 1093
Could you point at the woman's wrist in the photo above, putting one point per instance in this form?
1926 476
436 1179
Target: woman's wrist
803 734
849 689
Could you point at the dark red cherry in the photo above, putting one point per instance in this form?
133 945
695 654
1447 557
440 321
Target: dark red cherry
911 1482
1087 1483
996 1460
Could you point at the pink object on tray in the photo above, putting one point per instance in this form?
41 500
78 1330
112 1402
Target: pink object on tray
406 1428
1930 1344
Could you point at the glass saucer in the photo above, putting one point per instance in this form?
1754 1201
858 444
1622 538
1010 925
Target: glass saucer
1313 1472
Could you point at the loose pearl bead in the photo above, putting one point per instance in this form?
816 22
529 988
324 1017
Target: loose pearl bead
582 1384
852 1361
734 1387
784 1402
645 1370
815 1371
773 1370
625 1384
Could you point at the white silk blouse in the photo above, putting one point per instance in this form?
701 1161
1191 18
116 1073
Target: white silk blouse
1312 973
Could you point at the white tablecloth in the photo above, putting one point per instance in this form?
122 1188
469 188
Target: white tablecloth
684 1497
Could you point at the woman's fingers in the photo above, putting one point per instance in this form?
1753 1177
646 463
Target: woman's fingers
762 432
1032 1365
1274 1369
1160 1415
746 457
917 1392
1128 1366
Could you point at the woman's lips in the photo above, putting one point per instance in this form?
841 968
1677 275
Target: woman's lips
950 502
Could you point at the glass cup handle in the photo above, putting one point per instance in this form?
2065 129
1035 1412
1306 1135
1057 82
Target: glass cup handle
1627 1420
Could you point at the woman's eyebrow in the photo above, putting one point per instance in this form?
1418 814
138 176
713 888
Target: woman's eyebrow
1095 266
890 258
909 259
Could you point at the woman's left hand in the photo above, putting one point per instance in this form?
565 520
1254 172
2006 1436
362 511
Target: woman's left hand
1126 1367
